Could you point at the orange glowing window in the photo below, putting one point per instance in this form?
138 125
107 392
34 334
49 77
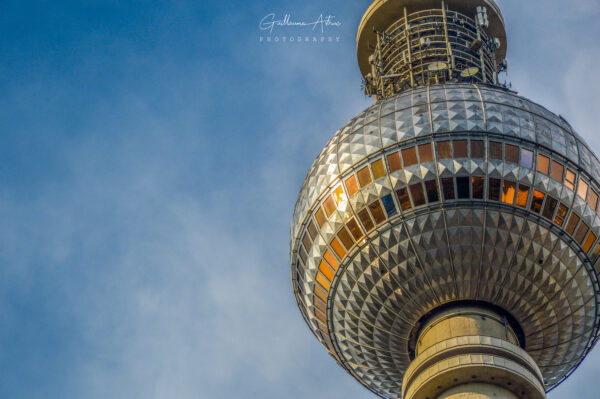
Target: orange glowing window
410 156
593 199
320 216
339 195
364 176
543 164
394 162
365 219
508 192
352 185
589 242
538 200
570 179
461 149
573 220
425 153
326 270
561 215
522 195
345 238
557 171
324 282
444 150
354 229
377 212
329 205
582 189
511 153
378 169
337 248
331 260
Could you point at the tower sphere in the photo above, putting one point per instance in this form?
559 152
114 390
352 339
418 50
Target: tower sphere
445 240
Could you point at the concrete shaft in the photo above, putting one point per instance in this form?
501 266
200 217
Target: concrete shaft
471 352
478 391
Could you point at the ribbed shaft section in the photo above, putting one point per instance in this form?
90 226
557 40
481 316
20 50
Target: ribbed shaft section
471 352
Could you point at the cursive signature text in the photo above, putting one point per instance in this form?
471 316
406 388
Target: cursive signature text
268 23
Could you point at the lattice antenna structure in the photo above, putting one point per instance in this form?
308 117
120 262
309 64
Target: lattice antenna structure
445 242
429 43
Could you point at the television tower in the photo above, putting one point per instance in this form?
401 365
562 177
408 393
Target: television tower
444 244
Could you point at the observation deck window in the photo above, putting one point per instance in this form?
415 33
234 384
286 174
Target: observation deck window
425 153
432 191
570 179
494 190
444 150
477 149
410 156
543 164
582 189
508 192
365 219
561 214
495 150
345 238
418 196
522 195
463 187
352 185
589 242
511 153
550 207
403 199
388 204
461 149
394 162
526 158
478 185
377 212
538 200
378 169
364 176
573 220
337 248
448 188
557 171
354 229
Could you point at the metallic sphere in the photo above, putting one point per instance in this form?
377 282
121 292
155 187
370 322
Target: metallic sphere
448 193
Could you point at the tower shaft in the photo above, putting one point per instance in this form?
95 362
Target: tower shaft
471 352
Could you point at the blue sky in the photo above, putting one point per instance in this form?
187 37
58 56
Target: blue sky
150 156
